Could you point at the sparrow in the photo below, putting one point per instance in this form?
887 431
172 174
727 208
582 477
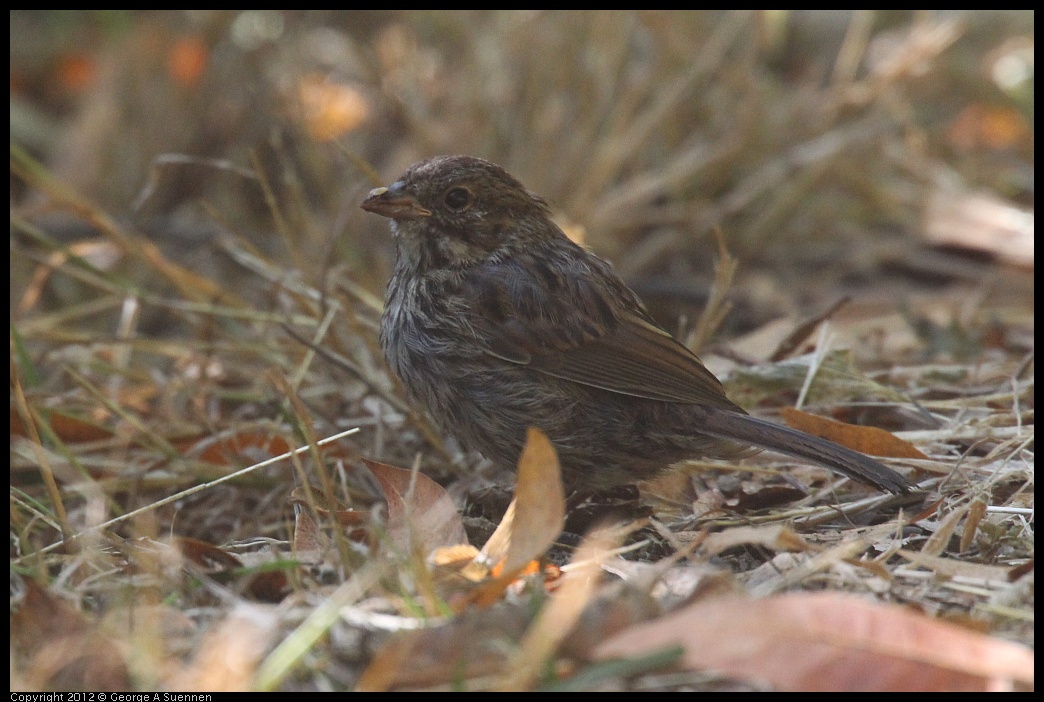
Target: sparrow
495 321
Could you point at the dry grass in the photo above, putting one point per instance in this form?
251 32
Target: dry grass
194 289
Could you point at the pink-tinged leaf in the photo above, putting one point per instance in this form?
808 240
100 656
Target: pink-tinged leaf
829 642
426 512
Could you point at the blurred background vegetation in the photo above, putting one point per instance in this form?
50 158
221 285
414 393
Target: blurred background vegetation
818 142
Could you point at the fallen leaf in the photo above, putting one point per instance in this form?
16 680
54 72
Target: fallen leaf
66 427
829 642
777 537
533 520
975 516
207 557
868 440
309 540
539 506
53 646
453 556
385 667
475 644
939 541
418 508
232 449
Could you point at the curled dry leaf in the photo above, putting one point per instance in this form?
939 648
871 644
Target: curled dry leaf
538 512
533 520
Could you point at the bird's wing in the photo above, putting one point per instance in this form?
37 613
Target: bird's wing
638 358
586 327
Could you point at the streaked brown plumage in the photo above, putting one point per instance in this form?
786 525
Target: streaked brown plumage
494 321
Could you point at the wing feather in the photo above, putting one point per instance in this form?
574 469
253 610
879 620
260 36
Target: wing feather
579 328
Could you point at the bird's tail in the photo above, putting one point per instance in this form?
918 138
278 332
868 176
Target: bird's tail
776 437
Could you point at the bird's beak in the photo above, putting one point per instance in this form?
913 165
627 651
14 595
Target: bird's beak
394 202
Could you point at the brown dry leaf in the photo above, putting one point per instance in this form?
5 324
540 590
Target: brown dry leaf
451 564
227 450
325 505
971 526
223 566
454 573
309 540
777 537
868 440
471 646
539 506
454 556
424 511
68 428
53 646
268 585
228 657
384 668
495 549
533 520
829 642
939 541
207 557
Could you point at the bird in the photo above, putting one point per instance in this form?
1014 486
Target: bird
495 321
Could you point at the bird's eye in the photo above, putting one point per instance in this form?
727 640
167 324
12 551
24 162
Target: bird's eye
458 198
